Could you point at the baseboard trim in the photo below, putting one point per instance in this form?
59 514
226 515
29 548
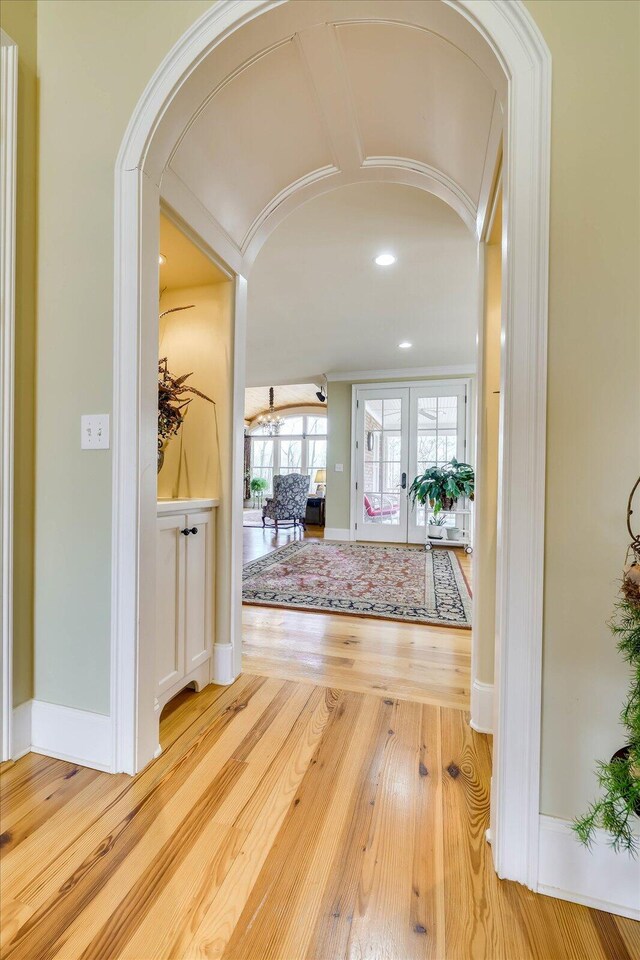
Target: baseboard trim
595 877
222 671
482 706
337 533
21 730
77 736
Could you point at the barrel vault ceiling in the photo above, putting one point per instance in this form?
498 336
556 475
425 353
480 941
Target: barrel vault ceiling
316 95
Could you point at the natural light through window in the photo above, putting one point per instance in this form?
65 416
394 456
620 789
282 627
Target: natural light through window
301 447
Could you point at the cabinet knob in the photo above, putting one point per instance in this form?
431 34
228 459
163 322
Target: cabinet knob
193 530
185 532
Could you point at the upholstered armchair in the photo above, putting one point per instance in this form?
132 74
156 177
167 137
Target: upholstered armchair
289 501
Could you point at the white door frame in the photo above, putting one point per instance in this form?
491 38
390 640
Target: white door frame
8 171
466 382
376 391
511 33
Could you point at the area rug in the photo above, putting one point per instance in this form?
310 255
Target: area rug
252 518
397 583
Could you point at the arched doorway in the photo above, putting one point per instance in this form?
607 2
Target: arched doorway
505 40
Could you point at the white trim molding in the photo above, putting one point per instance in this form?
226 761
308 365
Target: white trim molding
519 46
337 533
222 666
396 373
482 706
509 31
8 175
595 876
21 730
74 735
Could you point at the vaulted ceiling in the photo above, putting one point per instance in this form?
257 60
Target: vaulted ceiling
318 94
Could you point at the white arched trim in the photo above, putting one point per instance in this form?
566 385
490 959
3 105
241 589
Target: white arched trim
513 36
379 169
302 410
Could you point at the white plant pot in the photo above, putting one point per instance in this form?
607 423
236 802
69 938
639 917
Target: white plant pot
435 531
454 533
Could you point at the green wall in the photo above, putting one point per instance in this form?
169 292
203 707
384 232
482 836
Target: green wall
95 59
19 20
338 451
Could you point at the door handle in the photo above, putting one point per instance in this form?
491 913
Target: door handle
404 481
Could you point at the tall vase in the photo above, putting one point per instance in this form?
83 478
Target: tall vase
162 446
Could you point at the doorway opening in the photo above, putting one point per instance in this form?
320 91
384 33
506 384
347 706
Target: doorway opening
509 50
400 431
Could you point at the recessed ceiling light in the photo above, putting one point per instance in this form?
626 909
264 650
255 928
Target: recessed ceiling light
162 259
405 345
385 259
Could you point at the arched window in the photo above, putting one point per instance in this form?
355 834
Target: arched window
300 447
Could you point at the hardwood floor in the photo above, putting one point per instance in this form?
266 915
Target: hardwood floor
363 654
282 821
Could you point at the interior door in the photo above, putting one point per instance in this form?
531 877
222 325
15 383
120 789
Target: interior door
382 464
437 433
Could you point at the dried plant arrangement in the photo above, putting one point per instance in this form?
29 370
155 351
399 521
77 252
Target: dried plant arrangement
617 811
173 399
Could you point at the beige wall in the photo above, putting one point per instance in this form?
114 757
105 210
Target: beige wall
338 490
194 341
19 19
484 562
94 61
593 449
198 461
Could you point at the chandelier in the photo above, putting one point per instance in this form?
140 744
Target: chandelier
271 422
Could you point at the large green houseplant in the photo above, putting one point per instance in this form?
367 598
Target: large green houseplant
440 487
617 810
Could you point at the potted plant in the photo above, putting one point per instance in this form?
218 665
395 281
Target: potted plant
617 810
172 403
258 485
435 527
441 487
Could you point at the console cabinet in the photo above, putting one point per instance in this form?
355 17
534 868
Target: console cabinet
185 581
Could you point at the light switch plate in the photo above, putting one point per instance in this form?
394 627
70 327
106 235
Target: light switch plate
339 468
94 431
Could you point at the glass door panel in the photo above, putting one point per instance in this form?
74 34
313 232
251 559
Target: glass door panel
382 458
437 434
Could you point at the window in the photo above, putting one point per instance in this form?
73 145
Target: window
300 447
262 460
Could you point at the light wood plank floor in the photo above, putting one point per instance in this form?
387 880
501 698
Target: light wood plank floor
282 821
407 660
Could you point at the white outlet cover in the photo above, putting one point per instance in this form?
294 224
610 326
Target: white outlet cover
94 431
339 468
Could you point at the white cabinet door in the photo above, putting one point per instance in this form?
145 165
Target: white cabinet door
170 564
199 580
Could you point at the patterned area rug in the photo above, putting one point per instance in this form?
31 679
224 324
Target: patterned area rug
251 518
398 583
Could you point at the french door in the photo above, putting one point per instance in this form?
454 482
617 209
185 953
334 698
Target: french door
400 431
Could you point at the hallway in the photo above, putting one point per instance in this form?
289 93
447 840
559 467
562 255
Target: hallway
283 820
